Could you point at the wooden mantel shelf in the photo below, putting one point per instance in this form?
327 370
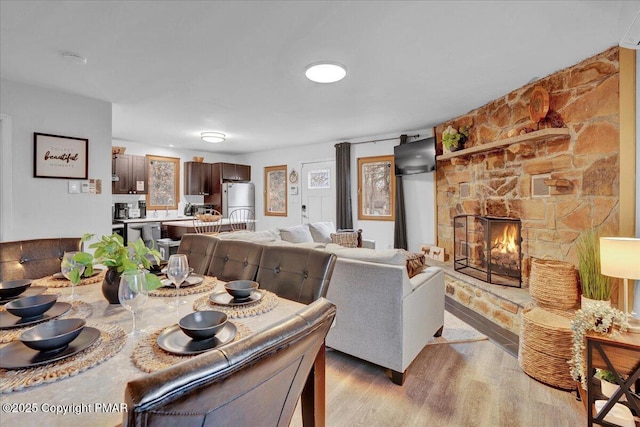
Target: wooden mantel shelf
535 136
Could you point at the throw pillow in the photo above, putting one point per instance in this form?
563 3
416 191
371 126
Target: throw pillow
321 231
346 239
415 262
296 234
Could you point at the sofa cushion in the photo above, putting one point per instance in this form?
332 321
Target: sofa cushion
321 231
415 262
348 239
296 234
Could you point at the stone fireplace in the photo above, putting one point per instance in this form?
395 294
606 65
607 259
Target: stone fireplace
488 249
557 178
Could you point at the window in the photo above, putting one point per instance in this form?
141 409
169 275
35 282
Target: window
376 188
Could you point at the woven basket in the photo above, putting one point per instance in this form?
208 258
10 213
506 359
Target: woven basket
553 284
545 346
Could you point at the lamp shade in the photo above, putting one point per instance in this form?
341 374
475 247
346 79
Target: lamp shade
620 257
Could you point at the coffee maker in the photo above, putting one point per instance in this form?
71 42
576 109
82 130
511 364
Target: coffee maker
121 211
142 205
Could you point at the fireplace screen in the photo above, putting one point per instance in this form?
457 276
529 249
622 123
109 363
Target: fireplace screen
488 249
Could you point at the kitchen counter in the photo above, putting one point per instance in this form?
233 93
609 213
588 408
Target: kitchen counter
152 219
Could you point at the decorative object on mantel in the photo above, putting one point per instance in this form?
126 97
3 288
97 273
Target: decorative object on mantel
453 140
539 104
598 317
594 284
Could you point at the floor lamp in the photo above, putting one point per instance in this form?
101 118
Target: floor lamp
620 257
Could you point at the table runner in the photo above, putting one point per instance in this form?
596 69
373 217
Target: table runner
149 357
266 304
112 339
78 310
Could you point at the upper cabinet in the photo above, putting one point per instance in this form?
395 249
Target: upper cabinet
197 178
235 172
131 172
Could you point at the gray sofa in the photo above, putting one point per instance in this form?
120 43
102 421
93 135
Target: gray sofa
384 317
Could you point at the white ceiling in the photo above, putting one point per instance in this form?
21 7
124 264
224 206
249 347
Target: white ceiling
175 69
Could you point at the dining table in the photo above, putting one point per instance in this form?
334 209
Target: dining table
93 394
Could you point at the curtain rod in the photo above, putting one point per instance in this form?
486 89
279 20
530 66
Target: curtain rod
381 140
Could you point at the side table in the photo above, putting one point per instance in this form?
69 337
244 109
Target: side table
621 356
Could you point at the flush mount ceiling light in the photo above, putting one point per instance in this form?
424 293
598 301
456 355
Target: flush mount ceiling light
74 58
214 137
325 72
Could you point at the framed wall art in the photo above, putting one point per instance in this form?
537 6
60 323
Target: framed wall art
376 188
163 175
275 190
56 156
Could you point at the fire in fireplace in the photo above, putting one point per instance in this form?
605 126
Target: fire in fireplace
488 248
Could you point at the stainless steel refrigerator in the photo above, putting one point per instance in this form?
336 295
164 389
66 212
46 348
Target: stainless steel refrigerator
237 195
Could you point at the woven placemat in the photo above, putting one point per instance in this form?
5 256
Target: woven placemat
266 304
149 357
209 283
112 339
78 310
52 282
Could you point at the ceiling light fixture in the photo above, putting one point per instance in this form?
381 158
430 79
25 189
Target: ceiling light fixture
325 72
213 137
74 58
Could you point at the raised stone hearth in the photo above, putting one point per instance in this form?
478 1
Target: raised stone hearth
500 304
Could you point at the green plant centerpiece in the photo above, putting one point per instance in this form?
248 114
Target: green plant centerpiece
453 139
111 252
594 284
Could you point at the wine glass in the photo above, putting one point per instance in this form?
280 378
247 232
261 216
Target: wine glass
177 272
132 293
72 271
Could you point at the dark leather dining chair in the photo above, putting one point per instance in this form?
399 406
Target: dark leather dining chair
294 273
235 260
255 381
33 259
199 249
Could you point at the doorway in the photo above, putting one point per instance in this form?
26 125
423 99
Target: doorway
318 191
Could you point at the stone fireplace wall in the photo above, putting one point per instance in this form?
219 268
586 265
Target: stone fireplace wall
585 163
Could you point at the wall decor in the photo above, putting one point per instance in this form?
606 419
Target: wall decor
164 191
293 177
319 179
56 156
275 190
376 188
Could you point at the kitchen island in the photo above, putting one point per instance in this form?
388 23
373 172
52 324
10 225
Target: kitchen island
176 229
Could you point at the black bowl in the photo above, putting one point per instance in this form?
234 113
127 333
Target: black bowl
241 289
12 288
202 325
52 335
31 306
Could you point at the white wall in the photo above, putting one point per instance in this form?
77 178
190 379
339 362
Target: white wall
184 156
419 190
42 207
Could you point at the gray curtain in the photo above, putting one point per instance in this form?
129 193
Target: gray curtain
400 229
344 218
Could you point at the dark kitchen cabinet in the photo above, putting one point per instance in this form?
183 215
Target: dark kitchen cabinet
197 178
235 172
131 172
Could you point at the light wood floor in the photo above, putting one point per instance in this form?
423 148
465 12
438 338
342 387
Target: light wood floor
469 384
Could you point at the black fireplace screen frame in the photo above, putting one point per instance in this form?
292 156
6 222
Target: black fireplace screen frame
485 270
